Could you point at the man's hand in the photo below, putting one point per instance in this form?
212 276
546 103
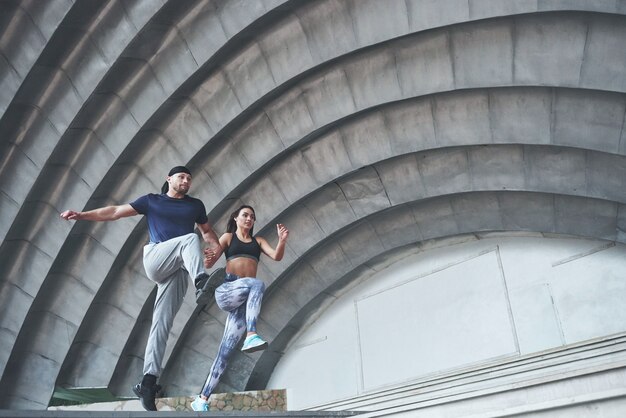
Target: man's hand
70 215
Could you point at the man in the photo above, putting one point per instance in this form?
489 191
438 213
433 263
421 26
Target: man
173 253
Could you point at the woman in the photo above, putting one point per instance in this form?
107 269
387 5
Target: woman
241 293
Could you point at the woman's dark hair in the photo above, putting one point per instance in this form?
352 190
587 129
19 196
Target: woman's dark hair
231 226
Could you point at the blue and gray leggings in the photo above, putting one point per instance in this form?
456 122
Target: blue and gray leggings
241 298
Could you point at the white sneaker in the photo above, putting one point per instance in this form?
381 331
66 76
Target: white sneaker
253 343
200 405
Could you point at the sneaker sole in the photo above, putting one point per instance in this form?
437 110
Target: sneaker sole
216 278
255 348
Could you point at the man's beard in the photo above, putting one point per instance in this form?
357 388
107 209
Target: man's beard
180 190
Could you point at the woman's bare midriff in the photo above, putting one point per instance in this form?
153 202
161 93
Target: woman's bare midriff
242 267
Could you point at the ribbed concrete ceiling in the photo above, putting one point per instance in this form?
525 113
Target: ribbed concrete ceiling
364 125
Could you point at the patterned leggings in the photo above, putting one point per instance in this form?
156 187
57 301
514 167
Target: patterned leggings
241 298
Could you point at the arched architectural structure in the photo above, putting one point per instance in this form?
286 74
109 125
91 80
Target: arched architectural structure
365 126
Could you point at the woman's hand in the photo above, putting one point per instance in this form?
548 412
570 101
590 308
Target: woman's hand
278 252
282 232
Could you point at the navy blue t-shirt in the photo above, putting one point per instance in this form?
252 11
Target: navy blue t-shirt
168 217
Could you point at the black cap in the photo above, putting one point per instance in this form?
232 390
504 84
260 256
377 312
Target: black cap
179 169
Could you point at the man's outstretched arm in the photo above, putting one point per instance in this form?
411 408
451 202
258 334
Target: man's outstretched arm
107 213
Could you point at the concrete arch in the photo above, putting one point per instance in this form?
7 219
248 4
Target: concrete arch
299 79
205 132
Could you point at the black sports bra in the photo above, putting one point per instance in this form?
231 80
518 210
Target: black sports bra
237 248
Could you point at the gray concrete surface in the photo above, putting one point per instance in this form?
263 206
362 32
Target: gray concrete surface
350 121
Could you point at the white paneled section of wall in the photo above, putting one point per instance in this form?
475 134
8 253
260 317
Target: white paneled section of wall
445 309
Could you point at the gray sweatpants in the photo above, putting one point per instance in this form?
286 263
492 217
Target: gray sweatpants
168 264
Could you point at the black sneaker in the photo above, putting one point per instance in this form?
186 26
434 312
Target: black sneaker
206 285
147 395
